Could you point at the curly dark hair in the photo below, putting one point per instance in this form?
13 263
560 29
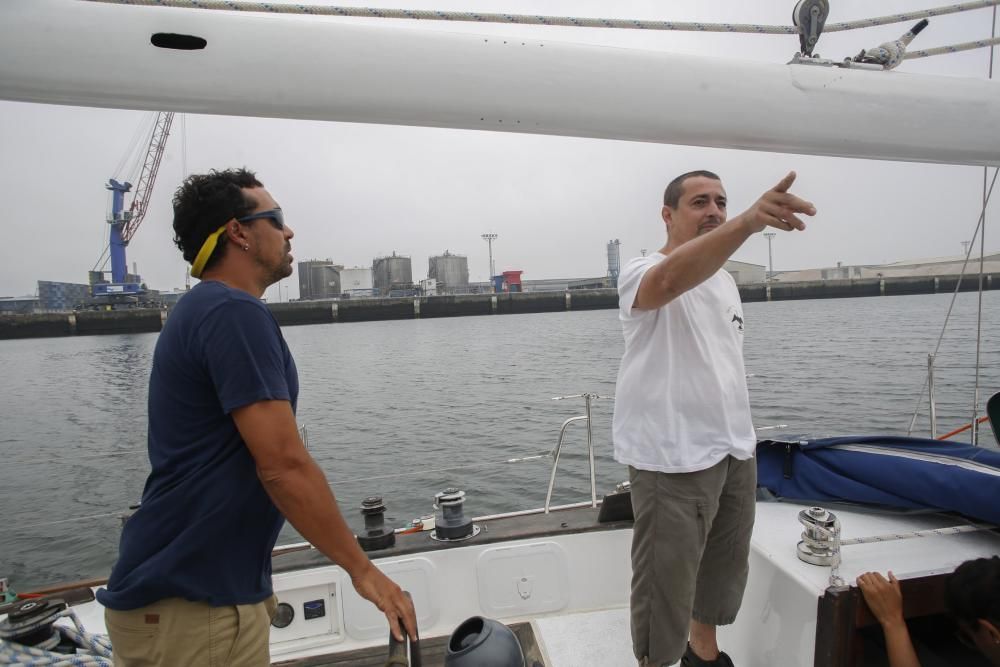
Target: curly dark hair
205 202
672 195
973 591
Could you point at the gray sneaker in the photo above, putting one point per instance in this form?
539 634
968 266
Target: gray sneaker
690 659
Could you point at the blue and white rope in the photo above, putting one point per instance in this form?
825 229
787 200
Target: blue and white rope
954 48
96 649
530 19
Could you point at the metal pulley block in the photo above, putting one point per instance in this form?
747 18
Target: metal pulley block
809 16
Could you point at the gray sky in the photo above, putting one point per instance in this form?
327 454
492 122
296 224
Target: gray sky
352 192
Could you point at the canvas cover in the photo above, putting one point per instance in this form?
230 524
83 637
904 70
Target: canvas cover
889 471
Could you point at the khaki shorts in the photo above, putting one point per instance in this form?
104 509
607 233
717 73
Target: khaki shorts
175 633
690 553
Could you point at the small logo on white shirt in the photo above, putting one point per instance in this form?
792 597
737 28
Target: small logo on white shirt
735 318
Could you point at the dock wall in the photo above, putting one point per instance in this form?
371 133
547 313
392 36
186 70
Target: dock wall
86 323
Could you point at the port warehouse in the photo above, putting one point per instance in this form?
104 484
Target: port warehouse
140 320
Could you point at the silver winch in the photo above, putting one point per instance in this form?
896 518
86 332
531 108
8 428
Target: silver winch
820 543
450 524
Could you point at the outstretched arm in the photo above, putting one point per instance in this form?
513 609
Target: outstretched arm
697 260
885 600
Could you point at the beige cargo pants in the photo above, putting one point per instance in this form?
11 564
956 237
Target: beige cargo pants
176 632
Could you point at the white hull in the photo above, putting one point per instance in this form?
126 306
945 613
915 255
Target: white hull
574 589
87 54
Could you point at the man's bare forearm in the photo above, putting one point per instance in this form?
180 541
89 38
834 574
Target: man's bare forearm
899 646
695 262
303 495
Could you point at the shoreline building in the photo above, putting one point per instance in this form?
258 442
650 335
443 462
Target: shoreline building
451 273
908 268
745 273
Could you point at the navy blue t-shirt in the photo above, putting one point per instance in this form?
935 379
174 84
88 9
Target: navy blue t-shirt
206 526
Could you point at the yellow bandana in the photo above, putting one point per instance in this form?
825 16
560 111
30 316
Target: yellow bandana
198 265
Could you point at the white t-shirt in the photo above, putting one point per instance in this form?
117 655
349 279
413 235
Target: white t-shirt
681 403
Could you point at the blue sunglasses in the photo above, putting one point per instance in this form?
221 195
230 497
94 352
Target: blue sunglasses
275 216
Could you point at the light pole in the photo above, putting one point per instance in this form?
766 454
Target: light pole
490 238
965 247
770 257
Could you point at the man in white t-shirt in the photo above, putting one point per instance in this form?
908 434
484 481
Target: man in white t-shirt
682 420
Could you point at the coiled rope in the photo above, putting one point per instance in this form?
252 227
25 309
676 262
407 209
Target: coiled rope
96 649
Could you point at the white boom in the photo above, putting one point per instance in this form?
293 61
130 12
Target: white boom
91 54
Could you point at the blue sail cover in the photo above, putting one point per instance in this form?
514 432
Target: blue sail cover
893 471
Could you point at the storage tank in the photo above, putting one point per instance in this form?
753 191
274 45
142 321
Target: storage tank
393 272
451 273
319 279
614 261
356 281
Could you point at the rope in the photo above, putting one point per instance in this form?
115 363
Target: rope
954 296
526 19
410 473
427 471
933 532
954 48
962 429
96 649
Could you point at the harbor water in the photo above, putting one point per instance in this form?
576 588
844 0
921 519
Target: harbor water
406 408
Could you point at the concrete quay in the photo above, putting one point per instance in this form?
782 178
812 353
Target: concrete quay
86 323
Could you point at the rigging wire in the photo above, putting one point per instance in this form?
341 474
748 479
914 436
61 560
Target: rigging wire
131 147
184 148
954 295
408 473
974 436
528 19
139 154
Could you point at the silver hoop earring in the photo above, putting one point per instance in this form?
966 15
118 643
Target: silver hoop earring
246 247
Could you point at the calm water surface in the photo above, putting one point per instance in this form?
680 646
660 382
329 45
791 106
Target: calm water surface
406 408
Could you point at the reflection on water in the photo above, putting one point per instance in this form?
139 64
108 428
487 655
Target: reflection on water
407 408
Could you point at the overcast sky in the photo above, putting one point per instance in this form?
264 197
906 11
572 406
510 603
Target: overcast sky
352 192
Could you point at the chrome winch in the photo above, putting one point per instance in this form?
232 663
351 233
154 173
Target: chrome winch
820 543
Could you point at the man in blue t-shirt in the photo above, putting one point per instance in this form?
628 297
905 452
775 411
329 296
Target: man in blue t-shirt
192 584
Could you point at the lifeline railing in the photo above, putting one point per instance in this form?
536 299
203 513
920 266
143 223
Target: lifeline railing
588 398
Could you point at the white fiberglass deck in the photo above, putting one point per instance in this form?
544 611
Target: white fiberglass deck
574 588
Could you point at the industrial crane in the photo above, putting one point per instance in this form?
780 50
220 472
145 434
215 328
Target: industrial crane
124 224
